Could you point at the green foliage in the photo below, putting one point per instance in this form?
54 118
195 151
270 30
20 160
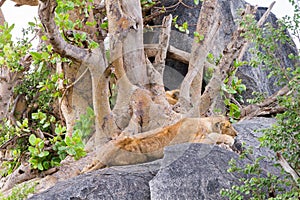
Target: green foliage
258 186
72 146
85 124
59 145
196 2
182 28
284 136
147 3
20 192
258 97
198 37
40 83
64 22
232 89
11 53
39 158
39 132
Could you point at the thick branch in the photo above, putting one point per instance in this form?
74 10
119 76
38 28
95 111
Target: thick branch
208 24
164 40
174 53
268 106
286 166
221 71
126 40
46 15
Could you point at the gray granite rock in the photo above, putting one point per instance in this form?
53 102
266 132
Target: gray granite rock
122 182
255 79
249 133
199 171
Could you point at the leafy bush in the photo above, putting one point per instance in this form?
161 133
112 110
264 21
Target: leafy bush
284 136
20 192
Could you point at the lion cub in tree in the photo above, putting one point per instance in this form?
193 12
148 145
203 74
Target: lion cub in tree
149 146
172 96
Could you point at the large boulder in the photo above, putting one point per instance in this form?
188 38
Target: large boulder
255 79
199 172
250 131
122 182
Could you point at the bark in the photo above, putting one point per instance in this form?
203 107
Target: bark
139 100
93 60
26 2
2 19
268 107
229 54
126 25
208 24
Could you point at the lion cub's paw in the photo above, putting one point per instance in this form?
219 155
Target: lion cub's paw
96 164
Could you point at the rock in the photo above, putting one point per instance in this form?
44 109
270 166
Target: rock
249 132
188 171
255 79
199 172
122 182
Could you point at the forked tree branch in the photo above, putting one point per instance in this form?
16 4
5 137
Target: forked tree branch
286 166
230 53
47 14
208 24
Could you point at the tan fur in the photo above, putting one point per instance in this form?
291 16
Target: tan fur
148 146
172 96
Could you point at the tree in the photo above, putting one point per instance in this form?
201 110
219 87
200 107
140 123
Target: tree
74 55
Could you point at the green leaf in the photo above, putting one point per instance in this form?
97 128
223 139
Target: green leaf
44 38
68 141
43 154
46 164
31 24
196 2
104 25
32 139
32 150
36 56
40 166
71 151
40 143
34 162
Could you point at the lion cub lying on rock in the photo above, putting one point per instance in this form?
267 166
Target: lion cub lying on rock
149 146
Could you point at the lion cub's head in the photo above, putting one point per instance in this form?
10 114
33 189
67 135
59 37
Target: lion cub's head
225 127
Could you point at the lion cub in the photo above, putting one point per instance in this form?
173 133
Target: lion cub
148 146
172 96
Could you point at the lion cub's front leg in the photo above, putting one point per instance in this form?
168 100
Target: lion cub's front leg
216 138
